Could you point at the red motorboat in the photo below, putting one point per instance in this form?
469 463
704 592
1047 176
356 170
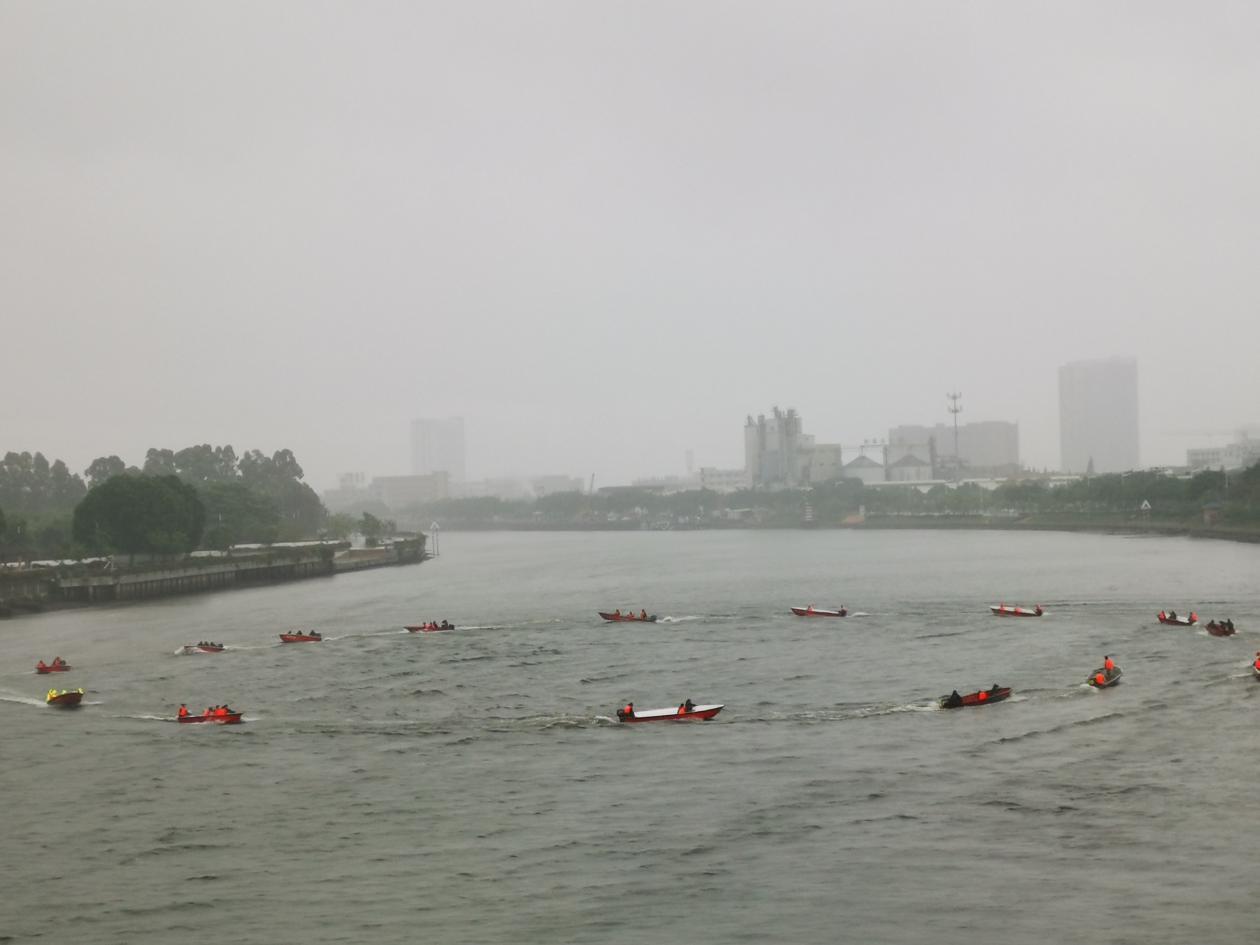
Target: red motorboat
191 648
430 627
1001 610
812 611
311 637
697 713
54 667
627 618
983 697
1179 621
65 699
231 718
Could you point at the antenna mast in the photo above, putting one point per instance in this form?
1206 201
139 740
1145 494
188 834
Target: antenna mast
955 409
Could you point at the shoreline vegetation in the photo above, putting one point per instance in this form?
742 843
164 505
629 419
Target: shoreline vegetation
1212 504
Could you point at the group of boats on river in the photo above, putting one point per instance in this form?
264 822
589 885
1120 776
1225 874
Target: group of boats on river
1103 677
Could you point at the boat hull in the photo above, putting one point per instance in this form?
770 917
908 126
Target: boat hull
193 648
1177 621
974 698
232 718
66 700
1219 631
806 612
626 618
424 629
1001 611
45 670
699 713
299 638
1109 679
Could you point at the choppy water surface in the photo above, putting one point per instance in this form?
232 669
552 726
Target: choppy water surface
472 786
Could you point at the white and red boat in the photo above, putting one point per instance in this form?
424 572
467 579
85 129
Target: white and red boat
303 636
812 611
429 627
1001 610
1179 621
697 713
230 718
617 617
191 648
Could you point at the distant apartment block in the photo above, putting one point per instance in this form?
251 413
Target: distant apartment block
400 492
516 487
989 445
437 446
1238 455
1098 416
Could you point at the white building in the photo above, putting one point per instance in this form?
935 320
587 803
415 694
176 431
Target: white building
773 449
1098 416
825 463
865 469
1238 455
438 446
400 492
723 480
986 444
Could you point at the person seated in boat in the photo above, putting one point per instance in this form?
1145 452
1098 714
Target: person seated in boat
842 611
953 700
1229 624
1256 664
617 612
1193 616
40 665
1162 615
628 711
1100 679
1037 610
689 705
58 661
183 711
1172 615
809 609
1109 665
643 615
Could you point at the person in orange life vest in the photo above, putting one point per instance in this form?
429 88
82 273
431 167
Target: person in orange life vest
1109 664
183 711
1100 679
40 665
1257 662
1193 616
1163 616
982 695
629 710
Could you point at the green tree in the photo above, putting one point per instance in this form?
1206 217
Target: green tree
236 514
103 469
140 514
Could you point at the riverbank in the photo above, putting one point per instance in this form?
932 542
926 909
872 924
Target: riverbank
36 587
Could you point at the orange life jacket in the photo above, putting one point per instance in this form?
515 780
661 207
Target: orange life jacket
1108 664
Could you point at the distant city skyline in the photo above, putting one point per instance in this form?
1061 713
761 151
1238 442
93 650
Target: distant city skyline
603 235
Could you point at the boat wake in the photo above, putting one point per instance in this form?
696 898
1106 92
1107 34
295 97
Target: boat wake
20 700
683 619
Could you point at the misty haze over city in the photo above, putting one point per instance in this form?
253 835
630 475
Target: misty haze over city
604 235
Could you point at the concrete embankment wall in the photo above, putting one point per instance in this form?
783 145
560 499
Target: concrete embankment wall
37 588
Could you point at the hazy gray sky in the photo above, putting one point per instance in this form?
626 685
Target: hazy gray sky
604 232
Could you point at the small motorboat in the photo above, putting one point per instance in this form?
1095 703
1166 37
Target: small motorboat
983 697
191 648
1219 629
812 611
1102 679
627 618
65 698
697 713
1001 610
309 637
231 718
429 627
54 667
1179 621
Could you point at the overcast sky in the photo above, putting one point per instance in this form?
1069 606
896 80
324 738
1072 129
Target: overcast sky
603 233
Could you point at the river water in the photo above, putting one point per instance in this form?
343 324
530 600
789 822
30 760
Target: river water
473 786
